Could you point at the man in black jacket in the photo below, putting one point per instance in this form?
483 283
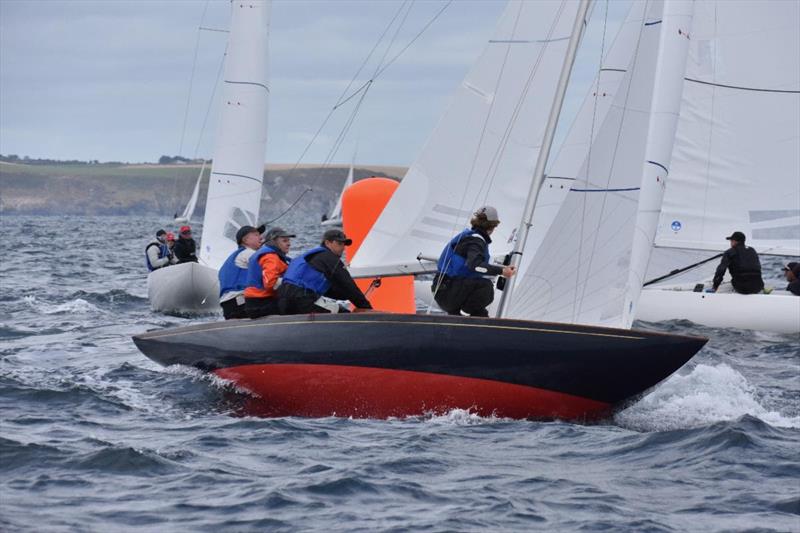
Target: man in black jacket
792 273
320 272
743 264
185 249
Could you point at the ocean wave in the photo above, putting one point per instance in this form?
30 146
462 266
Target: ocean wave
706 395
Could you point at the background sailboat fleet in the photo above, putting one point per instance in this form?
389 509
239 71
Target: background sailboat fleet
690 131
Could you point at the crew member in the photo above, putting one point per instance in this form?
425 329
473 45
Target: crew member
462 280
792 273
743 264
264 271
171 247
185 248
157 253
233 273
320 273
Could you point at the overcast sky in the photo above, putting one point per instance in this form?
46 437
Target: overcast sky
109 80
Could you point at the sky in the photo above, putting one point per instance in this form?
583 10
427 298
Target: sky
110 80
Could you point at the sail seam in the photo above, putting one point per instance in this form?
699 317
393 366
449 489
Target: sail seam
624 189
236 176
528 41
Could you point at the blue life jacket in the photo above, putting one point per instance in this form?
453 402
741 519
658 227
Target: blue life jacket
231 277
454 265
255 276
163 251
303 275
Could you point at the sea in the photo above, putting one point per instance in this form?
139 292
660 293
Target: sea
96 437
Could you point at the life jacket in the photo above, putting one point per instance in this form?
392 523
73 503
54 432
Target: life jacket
305 276
454 265
163 251
231 277
255 275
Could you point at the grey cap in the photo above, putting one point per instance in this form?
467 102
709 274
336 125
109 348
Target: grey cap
489 212
338 236
276 232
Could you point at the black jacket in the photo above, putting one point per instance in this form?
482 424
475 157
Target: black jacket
743 264
794 287
185 250
473 249
342 285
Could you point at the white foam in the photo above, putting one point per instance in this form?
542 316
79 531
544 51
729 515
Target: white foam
76 306
706 395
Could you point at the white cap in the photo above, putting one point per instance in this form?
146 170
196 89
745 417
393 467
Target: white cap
489 212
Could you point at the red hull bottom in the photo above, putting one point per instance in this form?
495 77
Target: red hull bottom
359 392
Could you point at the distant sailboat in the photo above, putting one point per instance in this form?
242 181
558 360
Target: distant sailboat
334 219
234 190
188 211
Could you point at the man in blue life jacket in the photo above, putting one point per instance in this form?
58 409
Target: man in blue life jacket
320 273
265 271
157 254
233 273
462 281
743 264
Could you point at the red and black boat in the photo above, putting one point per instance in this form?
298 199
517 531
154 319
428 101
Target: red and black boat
376 365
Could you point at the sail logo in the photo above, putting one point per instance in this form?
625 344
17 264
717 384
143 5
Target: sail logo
676 225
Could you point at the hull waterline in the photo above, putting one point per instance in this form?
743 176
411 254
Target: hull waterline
381 365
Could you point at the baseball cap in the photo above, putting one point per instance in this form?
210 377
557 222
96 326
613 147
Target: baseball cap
338 236
244 230
489 212
185 229
170 236
793 266
736 236
276 232
160 232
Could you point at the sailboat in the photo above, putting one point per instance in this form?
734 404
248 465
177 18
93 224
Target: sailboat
334 219
736 165
186 216
234 190
483 151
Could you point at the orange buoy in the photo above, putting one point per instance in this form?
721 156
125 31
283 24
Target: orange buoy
362 204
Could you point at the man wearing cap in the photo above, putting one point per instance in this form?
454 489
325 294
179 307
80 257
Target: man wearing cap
462 280
792 273
743 264
157 253
185 248
319 273
233 273
264 272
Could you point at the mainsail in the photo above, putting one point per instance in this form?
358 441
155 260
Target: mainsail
736 164
484 148
234 191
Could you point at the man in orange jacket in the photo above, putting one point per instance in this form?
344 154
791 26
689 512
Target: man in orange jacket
264 272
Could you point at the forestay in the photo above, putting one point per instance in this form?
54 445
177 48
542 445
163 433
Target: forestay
737 153
590 262
234 191
484 148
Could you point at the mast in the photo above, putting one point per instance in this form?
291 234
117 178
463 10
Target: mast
544 152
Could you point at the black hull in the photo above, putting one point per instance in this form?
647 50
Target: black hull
602 366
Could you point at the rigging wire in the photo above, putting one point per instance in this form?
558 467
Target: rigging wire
361 93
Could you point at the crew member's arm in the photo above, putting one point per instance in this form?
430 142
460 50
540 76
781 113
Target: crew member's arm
720 273
472 248
342 285
271 270
155 261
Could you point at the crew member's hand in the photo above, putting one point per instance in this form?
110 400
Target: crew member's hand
711 290
509 271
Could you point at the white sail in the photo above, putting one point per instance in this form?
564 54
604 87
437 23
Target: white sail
337 209
484 149
234 191
583 269
186 216
584 128
736 164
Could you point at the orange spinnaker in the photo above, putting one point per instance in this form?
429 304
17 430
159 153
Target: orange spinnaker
362 204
